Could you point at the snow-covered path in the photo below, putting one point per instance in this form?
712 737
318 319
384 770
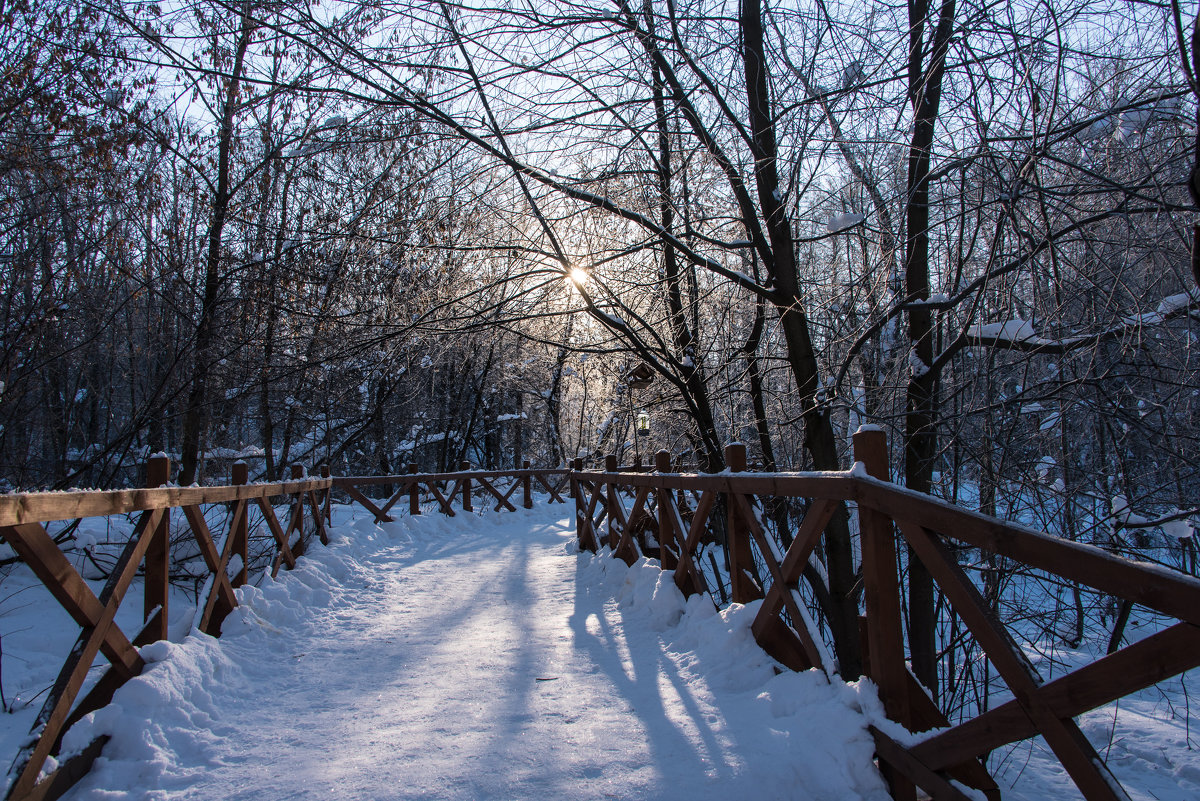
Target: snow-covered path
476 658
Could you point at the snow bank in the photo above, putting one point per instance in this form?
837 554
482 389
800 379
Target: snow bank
817 729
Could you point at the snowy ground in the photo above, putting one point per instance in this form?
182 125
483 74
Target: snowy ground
482 657
442 658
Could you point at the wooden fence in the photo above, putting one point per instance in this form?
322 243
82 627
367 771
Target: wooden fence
22 525
677 507
413 484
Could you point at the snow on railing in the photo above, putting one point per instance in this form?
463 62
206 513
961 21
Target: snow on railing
672 512
40 770
36 771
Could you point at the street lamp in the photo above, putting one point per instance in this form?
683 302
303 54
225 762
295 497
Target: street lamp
643 423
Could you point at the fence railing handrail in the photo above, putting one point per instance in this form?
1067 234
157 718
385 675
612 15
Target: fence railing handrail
676 507
23 516
831 485
1154 586
44 507
401 478
679 504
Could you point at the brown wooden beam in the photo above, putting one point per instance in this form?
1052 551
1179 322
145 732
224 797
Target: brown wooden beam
808 536
51 719
1161 655
1063 736
501 499
1160 588
156 588
791 485
221 599
912 769
799 618
368 504
42 507
281 540
39 551
443 502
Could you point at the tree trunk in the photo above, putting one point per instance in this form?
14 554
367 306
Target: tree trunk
683 335
195 415
920 432
554 443
781 263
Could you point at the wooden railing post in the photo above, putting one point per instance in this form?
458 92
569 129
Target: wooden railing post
466 487
328 506
526 485
583 525
297 516
881 596
666 530
315 508
610 495
239 528
881 585
742 588
158 556
414 494
637 464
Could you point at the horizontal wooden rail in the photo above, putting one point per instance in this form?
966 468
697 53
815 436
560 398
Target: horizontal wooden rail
399 478
461 483
1157 587
836 486
44 507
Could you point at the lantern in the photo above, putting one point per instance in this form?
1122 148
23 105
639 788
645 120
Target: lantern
643 423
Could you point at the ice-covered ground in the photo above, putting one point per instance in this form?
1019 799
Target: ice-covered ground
440 658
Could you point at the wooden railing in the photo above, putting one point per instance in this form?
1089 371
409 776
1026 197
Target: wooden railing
23 519
443 487
678 508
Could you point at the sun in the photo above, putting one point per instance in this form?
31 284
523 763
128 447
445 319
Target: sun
577 276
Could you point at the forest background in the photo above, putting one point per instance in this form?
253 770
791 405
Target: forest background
365 235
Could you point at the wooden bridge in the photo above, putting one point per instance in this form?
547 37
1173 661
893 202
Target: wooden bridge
663 514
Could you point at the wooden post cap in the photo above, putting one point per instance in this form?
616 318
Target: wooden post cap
735 456
158 470
870 448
